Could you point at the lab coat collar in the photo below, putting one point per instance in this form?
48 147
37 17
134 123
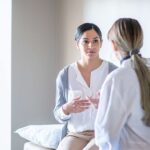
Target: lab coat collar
127 62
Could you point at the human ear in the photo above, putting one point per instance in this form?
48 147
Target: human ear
114 45
101 42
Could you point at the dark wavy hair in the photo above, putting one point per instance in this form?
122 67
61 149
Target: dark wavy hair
85 27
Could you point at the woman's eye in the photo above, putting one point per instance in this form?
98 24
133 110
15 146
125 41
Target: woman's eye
95 41
85 42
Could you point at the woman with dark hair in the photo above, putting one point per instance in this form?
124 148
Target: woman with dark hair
77 90
123 118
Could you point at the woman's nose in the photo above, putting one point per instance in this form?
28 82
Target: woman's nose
90 44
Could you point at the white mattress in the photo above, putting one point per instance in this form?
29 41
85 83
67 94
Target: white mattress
31 146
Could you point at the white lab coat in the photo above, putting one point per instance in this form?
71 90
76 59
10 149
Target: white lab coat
118 123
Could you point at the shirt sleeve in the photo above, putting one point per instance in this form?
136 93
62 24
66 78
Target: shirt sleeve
60 98
62 115
111 115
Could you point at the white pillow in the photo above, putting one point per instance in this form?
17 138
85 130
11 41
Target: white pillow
47 136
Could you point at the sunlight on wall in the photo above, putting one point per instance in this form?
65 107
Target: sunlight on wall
5 74
104 13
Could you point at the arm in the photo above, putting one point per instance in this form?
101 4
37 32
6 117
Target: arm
61 96
63 108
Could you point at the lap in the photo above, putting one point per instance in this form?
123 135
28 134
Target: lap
91 145
78 141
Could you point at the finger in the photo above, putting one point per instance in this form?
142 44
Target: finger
81 104
83 100
94 100
81 109
84 107
89 97
85 104
77 98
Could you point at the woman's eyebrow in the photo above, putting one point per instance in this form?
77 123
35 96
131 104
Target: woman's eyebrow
96 38
88 38
85 38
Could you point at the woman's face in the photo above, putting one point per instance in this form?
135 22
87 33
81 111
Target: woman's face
89 44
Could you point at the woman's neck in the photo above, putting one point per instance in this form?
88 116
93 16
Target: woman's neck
90 64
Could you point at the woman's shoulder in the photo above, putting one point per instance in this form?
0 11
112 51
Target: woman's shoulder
63 73
122 74
115 77
65 69
111 66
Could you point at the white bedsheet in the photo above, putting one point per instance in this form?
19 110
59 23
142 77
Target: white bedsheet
31 146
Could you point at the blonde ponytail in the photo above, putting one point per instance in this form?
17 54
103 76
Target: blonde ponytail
128 35
143 74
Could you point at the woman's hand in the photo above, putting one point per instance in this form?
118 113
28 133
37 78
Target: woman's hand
95 100
76 105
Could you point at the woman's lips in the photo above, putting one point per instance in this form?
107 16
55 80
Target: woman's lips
91 52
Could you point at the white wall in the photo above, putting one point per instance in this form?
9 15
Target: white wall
42 34
34 64
105 12
70 15
5 74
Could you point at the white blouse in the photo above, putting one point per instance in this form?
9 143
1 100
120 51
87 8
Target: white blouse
83 121
118 123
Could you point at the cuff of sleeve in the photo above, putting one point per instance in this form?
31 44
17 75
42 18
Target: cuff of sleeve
63 115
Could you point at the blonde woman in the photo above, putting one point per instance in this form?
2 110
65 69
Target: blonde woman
123 118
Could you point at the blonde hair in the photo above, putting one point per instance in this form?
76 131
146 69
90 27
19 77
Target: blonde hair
128 35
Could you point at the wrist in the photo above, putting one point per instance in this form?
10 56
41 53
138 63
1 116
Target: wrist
64 108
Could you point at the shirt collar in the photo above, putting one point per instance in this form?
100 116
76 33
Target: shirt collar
94 73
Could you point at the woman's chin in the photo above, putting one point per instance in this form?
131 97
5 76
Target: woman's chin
91 55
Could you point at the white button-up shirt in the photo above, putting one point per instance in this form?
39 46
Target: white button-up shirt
118 124
83 121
